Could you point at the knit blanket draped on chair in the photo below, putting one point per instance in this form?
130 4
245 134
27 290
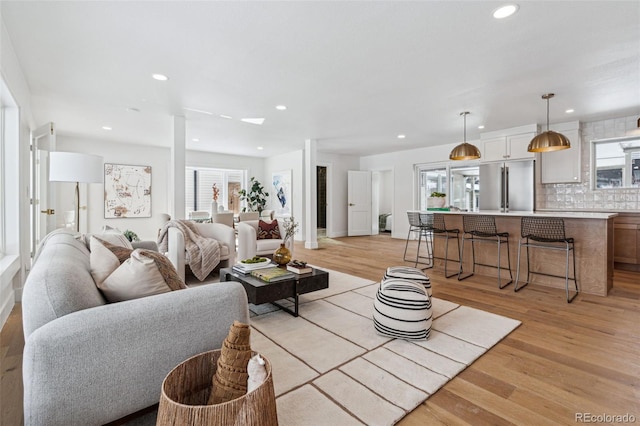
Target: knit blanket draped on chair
203 254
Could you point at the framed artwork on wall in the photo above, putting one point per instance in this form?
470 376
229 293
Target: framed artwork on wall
281 182
127 191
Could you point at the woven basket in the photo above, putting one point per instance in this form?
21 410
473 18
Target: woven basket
185 391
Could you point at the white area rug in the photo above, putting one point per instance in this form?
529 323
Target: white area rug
331 368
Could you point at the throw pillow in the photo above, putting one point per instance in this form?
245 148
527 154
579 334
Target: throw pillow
124 274
112 236
269 230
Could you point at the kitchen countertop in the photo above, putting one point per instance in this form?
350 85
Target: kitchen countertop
539 213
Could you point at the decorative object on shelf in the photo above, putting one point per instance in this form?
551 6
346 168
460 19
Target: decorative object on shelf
282 186
299 267
75 167
256 198
214 202
549 140
436 200
127 191
465 151
131 236
282 255
230 380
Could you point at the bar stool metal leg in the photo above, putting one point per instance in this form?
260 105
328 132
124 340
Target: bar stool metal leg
546 233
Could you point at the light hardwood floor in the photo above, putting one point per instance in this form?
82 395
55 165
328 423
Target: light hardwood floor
564 359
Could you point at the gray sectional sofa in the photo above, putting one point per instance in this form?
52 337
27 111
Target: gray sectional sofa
87 362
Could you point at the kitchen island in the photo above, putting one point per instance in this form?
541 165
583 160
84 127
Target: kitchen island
593 234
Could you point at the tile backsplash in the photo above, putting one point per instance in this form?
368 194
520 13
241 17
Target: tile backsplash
574 196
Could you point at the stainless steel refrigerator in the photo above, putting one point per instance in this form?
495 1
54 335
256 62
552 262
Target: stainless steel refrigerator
508 186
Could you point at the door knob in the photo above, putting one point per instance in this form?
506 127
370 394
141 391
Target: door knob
48 211
351 204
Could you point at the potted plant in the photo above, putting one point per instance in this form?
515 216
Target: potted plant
436 200
256 198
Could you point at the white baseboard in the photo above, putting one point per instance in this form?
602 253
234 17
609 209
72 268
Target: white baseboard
9 268
7 306
338 234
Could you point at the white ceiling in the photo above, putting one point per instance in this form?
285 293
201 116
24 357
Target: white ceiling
353 75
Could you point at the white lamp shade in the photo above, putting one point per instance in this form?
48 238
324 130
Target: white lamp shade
75 167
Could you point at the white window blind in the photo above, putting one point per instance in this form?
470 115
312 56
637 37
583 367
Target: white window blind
199 186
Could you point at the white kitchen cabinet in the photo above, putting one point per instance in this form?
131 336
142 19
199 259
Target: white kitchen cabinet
563 166
502 148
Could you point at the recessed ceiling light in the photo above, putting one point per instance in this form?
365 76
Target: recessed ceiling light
401 136
281 107
228 117
160 77
197 110
260 148
195 140
106 128
257 121
569 111
505 11
481 126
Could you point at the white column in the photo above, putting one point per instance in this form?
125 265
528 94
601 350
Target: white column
310 195
177 169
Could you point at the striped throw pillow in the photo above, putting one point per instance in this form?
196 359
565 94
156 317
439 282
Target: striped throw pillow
409 273
402 309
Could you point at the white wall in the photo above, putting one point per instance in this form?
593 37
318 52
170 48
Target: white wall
17 181
293 161
404 186
385 201
337 209
159 160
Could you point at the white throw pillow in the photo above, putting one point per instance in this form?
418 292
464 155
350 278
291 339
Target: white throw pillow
143 273
112 236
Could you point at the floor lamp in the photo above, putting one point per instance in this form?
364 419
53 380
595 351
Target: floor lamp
76 167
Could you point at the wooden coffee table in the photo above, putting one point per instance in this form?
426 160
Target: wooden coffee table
259 292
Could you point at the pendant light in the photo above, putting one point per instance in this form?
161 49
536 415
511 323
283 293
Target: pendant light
465 151
549 140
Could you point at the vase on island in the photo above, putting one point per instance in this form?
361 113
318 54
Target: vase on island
214 207
282 255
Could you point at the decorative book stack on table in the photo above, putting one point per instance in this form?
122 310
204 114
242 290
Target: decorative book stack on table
299 267
273 274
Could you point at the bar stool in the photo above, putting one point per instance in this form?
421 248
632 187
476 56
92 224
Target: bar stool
423 230
546 233
482 229
436 223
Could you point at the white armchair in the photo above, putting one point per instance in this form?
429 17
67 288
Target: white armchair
223 217
249 245
224 234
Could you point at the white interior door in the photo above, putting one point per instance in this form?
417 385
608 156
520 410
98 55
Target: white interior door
43 196
359 199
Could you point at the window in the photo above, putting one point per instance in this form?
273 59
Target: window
2 180
461 184
199 188
616 162
432 178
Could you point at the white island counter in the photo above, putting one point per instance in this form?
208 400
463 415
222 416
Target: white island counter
593 234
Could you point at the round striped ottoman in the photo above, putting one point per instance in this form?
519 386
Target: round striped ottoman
402 309
409 273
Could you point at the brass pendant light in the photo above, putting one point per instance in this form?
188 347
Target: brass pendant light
549 140
465 151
